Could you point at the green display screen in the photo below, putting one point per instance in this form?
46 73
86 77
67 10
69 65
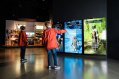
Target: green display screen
95 36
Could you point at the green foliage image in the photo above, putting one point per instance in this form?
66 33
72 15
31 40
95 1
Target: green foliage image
95 36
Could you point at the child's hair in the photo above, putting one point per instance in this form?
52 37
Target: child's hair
22 27
47 22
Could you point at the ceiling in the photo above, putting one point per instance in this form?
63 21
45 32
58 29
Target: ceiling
34 9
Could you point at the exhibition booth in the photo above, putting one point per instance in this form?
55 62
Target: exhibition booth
33 30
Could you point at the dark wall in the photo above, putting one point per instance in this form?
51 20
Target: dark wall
34 9
18 9
78 9
2 31
113 28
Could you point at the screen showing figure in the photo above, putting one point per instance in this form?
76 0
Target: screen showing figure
95 36
73 36
60 38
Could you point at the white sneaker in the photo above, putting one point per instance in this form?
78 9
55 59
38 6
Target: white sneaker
23 60
57 67
49 67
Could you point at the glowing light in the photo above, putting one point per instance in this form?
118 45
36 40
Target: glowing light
39 27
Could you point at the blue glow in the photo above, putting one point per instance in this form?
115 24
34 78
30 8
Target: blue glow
71 70
73 36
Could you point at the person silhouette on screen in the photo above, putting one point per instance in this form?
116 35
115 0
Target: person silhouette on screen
95 37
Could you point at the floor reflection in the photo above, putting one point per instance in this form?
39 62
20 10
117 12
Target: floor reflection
95 69
22 68
71 67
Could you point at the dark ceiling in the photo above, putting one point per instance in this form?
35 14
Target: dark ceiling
33 9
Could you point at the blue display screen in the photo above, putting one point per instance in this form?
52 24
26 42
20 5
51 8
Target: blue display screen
73 36
60 38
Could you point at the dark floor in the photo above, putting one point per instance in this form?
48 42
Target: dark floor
71 67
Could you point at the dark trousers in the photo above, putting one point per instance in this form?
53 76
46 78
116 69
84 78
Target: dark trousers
22 52
52 52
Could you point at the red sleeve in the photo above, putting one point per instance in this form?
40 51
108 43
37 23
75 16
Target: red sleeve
60 31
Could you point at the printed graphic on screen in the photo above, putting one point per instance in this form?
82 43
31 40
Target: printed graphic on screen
73 68
73 36
59 38
95 36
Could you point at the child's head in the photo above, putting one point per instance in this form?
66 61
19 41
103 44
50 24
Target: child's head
48 24
22 28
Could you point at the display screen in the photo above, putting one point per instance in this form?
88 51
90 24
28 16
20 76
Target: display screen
95 36
73 36
60 38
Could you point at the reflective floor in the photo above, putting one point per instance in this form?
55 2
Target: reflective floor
71 67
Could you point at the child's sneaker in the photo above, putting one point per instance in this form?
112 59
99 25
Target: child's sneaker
49 67
57 67
23 60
